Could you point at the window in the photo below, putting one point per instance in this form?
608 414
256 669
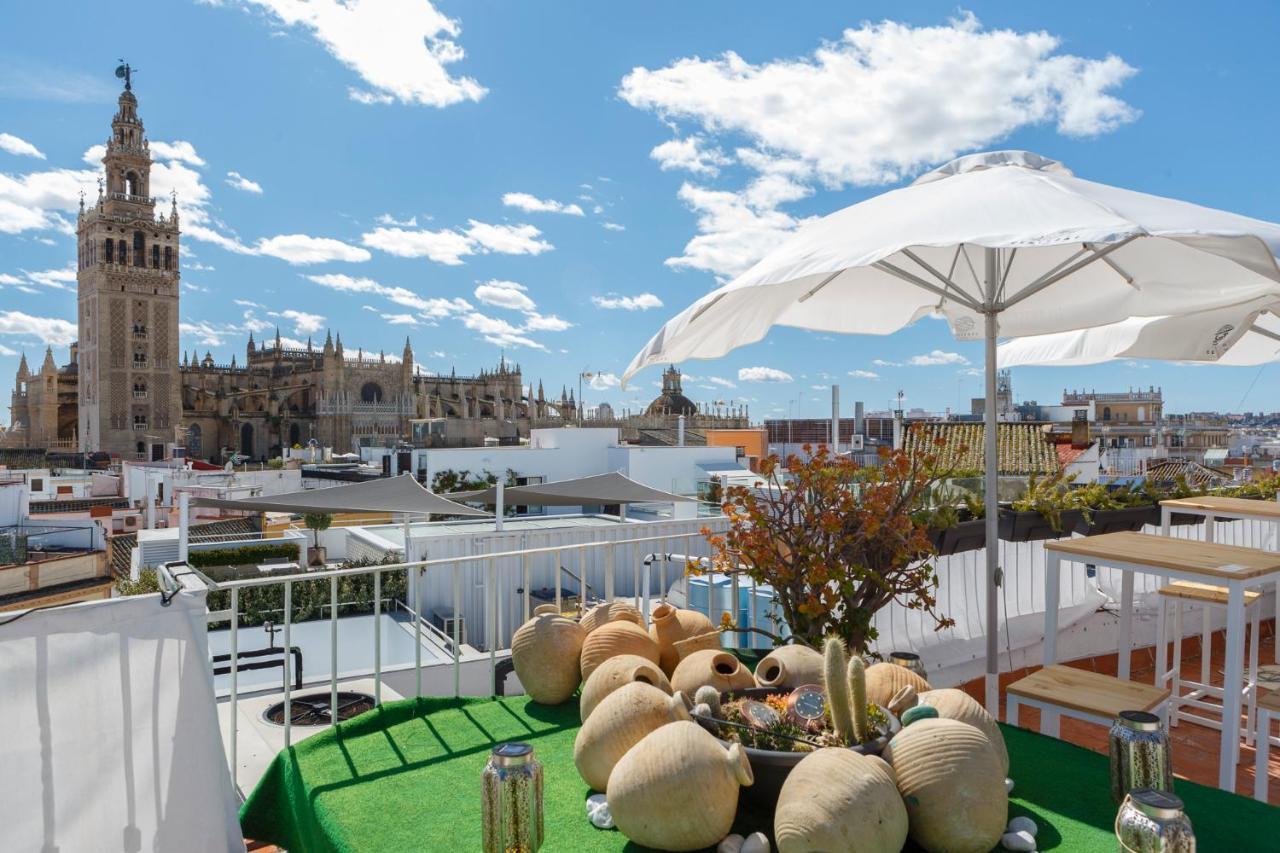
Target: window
124 252
37 484
140 422
168 257
139 249
193 439
108 250
1106 413
155 257
132 185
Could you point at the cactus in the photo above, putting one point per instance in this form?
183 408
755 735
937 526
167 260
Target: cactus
858 696
709 696
836 683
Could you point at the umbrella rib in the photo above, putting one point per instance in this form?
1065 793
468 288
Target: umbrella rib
1128 279
1004 278
885 266
1050 279
819 286
1266 333
947 282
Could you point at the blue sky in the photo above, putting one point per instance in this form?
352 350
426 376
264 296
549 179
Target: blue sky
557 179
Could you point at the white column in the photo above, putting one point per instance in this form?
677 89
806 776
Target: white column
184 522
499 508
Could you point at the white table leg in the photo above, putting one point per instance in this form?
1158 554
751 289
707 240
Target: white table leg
1162 641
1165 515
1126 625
1234 674
1052 585
1261 755
1209 532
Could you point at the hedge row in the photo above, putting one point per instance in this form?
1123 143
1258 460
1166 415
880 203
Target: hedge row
241 556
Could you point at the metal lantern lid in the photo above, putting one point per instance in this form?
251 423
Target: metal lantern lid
1139 721
1159 805
512 754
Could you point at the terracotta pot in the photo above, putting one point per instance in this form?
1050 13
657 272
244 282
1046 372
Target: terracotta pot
716 667
616 672
669 626
546 608
697 643
952 782
884 680
610 611
836 799
789 667
616 638
677 789
953 704
619 723
546 652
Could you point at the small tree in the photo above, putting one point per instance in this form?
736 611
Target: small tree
315 522
836 540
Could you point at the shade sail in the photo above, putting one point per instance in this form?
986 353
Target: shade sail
1239 335
394 494
612 488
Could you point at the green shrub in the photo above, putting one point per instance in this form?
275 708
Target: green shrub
242 556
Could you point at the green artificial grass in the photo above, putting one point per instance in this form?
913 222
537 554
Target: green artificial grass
406 776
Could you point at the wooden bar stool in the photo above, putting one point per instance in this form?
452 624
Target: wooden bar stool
1268 710
1176 595
1058 690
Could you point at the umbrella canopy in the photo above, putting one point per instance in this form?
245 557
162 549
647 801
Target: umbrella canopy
1244 335
999 243
395 494
612 488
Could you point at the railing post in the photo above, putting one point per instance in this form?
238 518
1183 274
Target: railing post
559 606
417 633
377 636
288 664
635 581
235 672
457 615
609 566
333 650
525 580
492 608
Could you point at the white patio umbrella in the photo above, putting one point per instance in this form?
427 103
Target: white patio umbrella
1238 336
999 243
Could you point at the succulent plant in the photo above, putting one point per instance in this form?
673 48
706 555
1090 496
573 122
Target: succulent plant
836 682
858 696
709 696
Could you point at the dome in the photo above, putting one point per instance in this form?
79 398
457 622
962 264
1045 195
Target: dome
672 400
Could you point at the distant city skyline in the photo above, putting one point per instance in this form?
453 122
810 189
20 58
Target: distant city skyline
491 178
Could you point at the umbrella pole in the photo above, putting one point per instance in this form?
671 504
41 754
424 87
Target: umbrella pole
990 485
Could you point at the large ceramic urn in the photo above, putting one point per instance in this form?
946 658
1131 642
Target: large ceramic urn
619 723
884 680
837 799
546 652
677 789
789 667
616 672
953 704
720 669
616 638
610 611
669 626
952 782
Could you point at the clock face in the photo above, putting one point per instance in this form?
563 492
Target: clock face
807 706
760 714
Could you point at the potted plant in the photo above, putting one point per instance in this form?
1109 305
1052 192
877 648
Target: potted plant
777 728
316 522
1043 511
1178 488
954 529
1113 510
835 540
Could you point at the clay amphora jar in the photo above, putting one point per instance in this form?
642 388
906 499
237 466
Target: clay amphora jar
616 638
837 799
546 652
614 673
610 611
669 626
886 679
951 780
677 789
789 667
718 668
617 724
953 704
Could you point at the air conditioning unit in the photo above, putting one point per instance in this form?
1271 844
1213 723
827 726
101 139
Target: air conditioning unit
444 620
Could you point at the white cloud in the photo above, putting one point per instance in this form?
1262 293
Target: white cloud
499 332
612 226
400 319
507 239
721 381
6 278
604 381
444 247
388 219
37 201
505 294
246 303
179 150
691 155
400 48
4 350
879 104
763 374
240 182
937 357
303 249
533 204
880 362
19 147
431 308
639 302
48 330
58 279
304 323
864 374
545 323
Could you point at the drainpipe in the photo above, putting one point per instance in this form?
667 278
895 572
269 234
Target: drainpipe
680 431
859 421
184 521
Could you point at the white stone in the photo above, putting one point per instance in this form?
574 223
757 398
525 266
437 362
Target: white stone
598 811
1022 823
730 844
1018 841
1008 786
756 842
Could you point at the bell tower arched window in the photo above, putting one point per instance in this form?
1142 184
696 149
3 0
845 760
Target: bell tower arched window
109 251
124 252
139 249
132 184
155 257
168 257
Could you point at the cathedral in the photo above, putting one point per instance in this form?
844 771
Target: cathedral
129 391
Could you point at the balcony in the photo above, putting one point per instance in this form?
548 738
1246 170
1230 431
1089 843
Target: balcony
139 426
132 199
139 395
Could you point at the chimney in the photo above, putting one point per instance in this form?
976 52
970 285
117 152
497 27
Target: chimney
897 429
835 418
1080 432
680 431
859 421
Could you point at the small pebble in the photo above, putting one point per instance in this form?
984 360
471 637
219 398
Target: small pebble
730 844
598 811
1008 786
756 842
1018 841
1022 823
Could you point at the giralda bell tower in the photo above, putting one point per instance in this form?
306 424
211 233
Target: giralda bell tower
127 286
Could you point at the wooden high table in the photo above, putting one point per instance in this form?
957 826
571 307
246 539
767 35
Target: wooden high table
1214 507
1228 566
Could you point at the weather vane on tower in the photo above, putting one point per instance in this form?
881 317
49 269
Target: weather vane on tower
125 72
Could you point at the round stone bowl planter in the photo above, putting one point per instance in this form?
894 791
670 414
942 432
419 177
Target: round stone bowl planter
771 767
